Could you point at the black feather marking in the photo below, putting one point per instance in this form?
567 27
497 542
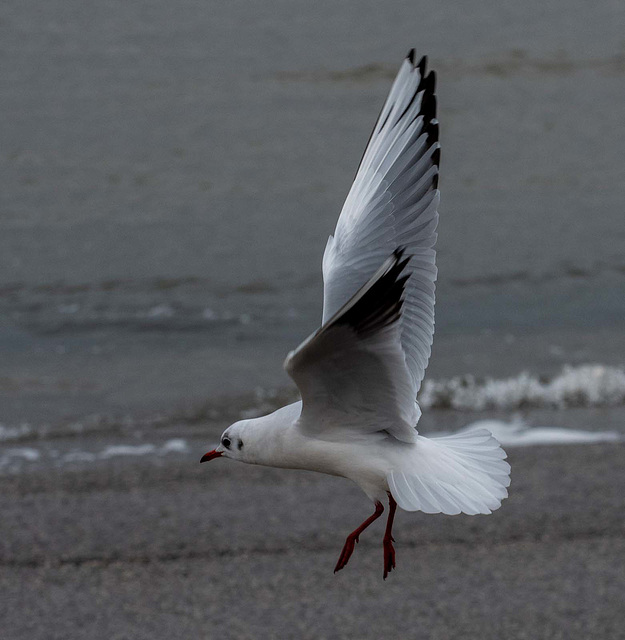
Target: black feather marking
430 82
436 157
423 85
431 129
422 66
381 303
423 79
428 102
427 108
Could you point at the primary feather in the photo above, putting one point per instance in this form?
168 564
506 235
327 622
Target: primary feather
393 202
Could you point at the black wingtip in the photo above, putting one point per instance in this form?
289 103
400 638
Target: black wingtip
428 107
430 82
431 130
423 63
427 87
436 161
436 157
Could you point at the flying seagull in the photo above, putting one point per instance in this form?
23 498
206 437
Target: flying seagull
359 373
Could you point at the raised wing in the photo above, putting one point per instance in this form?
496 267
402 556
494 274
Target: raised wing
393 202
354 365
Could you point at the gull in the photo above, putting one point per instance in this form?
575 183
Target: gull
358 375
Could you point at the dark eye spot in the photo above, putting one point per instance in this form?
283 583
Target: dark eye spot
226 442
240 445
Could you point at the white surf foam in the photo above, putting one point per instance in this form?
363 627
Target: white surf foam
26 453
16 457
519 434
582 386
17 432
116 450
175 445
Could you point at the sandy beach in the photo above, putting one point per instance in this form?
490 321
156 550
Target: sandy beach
165 549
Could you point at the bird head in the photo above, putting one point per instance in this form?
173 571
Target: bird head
257 440
231 445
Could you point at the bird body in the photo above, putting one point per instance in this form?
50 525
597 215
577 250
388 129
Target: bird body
359 373
281 439
468 469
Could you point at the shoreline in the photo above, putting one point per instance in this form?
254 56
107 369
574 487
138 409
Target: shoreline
158 547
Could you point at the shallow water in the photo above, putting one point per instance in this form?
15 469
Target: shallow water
169 179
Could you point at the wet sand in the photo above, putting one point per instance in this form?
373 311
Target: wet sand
167 548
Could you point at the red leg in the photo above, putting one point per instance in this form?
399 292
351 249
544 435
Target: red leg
389 550
352 538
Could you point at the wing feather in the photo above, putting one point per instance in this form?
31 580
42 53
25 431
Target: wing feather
354 364
394 202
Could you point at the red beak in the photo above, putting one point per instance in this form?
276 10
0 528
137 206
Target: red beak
211 455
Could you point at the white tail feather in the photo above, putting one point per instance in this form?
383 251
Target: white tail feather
464 473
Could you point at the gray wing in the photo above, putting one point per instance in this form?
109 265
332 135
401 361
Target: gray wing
351 372
393 202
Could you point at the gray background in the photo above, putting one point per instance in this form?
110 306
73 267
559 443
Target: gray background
169 175
171 172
